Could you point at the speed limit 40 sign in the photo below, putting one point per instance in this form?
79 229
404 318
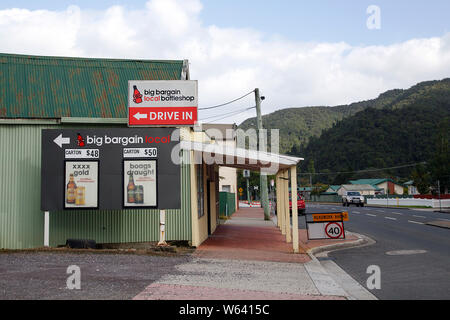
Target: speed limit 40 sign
325 230
334 230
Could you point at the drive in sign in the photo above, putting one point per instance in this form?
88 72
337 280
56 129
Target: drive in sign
172 102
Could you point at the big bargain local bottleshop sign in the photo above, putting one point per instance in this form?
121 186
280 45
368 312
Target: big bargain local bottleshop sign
154 102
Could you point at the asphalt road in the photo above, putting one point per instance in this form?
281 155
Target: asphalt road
415 275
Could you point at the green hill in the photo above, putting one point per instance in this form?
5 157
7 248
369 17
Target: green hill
298 125
398 127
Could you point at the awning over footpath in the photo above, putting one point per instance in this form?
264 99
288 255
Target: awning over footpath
230 156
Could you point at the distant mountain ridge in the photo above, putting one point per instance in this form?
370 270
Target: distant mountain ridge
298 125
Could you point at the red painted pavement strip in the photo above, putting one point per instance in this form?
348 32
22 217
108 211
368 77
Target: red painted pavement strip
157 291
262 243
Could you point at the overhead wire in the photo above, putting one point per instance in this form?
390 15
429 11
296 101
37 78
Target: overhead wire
226 115
364 170
226 103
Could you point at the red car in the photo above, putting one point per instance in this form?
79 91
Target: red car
301 207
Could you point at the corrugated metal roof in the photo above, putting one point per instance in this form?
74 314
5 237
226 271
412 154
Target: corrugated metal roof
368 181
358 187
335 187
54 87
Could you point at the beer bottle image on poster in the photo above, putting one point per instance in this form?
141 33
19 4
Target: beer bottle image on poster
81 184
140 183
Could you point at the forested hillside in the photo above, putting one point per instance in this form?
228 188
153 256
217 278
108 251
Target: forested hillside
298 125
399 127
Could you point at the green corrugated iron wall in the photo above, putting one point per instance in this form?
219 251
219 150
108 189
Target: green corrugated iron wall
22 221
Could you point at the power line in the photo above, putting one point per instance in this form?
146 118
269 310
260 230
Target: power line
224 104
229 114
364 170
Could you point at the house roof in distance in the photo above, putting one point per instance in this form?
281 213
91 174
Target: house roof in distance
373 182
358 187
335 187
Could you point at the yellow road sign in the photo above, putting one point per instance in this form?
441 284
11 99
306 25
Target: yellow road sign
240 189
336 216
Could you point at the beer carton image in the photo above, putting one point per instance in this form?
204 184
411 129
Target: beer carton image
81 184
140 183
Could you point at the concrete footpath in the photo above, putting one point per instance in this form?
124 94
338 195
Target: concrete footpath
248 258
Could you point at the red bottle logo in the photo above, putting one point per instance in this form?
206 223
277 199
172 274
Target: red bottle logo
137 96
80 140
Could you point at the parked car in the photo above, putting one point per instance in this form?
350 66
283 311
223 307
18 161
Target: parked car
301 206
352 197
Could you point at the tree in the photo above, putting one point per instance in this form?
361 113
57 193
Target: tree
311 169
440 163
422 179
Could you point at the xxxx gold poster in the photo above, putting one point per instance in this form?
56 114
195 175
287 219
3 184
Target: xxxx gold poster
81 184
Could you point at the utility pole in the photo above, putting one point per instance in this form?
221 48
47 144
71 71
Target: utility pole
263 176
246 174
249 201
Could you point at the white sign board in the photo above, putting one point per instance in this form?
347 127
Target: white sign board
325 230
81 153
140 152
164 93
169 102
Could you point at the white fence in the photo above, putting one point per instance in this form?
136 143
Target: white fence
432 203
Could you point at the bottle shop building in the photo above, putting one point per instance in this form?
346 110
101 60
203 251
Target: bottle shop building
72 167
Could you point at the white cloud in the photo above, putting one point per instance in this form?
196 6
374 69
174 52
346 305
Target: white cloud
228 62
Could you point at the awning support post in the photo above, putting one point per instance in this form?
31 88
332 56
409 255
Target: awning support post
282 213
294 209
287 211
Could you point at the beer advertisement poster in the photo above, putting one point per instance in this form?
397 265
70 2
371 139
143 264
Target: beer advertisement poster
81 184
140 185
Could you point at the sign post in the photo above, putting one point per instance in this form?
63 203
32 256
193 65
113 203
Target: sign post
246 174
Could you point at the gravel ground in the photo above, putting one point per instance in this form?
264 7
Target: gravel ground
43 275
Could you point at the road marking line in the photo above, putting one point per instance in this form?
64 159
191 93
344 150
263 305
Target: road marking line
418 216
390 218
356 212
443 219
398 213
417 222
372 215
380 210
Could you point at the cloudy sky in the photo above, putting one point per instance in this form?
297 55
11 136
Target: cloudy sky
299 53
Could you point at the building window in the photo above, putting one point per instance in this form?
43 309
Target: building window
226 188
200 190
